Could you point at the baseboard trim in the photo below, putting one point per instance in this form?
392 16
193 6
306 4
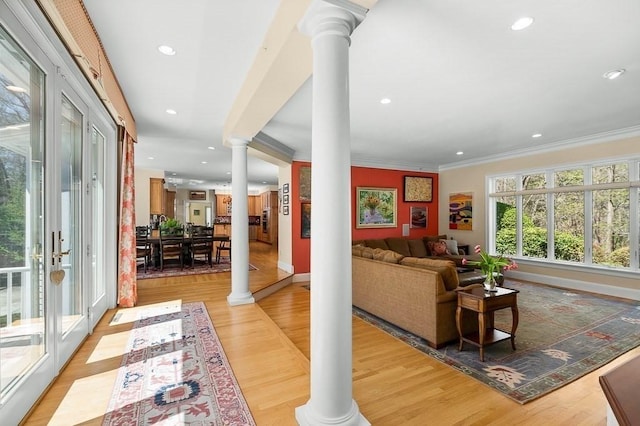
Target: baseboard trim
285 266
302 277
601 288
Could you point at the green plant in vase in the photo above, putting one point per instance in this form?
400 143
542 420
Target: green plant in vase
171 226
491 266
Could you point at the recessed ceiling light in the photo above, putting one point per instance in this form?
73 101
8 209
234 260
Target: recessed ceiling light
536 135
264 182
228 173
174 174
172 112
211 147
459 153
385 101
612 75
166 50
17 89
522 23
149 158
203 162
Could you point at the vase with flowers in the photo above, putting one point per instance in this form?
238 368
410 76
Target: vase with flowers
491 266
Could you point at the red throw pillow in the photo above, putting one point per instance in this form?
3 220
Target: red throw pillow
438 248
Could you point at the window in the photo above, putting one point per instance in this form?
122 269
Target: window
585 214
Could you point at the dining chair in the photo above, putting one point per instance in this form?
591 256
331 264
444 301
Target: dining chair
201 244
224 245
172 245
143 246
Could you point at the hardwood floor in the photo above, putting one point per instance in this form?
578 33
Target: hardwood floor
267 344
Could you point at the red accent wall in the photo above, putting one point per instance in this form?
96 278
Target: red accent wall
362 176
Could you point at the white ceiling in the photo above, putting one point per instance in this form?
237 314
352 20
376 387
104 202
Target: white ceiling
458 77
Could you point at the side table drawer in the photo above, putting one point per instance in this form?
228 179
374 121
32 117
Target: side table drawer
469 303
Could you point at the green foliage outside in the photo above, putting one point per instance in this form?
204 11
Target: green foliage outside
567 246
12 210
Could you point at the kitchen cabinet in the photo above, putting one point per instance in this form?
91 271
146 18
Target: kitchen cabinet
169 204
268 231
222 208
222 229
156 196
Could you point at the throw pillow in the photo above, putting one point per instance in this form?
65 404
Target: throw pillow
452 246
389 256
362 251
438 248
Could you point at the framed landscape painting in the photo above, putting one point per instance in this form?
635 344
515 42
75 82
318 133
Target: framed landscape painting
376 207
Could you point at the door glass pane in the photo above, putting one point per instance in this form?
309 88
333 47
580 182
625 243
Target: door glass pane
97 177
70 204
22 292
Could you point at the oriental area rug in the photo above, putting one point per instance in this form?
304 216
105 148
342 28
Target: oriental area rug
172 269
561 336
175 372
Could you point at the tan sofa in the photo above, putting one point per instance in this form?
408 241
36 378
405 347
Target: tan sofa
417 295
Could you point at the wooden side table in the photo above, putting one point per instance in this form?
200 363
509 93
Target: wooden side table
485 304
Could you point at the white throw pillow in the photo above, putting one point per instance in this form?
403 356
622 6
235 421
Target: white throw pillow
452 246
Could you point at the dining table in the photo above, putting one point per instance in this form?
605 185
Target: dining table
154 241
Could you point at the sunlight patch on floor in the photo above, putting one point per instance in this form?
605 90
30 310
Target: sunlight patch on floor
82 403
109 346
127 315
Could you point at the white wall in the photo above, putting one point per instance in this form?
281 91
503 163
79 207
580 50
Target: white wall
473 179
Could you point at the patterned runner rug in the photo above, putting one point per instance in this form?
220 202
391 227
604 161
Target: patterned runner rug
562 335
173 269
175 372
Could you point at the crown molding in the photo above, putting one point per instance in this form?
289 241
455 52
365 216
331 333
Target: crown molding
627 132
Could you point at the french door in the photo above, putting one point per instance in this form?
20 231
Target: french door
57 238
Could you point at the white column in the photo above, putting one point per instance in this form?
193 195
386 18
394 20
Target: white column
331 401
240 293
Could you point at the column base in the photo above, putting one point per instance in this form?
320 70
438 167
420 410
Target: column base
305 416
240 299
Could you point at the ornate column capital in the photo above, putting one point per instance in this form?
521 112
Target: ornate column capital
331 17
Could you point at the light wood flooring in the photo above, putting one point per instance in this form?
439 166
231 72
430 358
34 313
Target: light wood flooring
267 344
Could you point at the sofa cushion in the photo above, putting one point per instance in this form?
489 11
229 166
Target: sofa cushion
389 256
379 243
399 245
362 251
417 247
446 269
438 248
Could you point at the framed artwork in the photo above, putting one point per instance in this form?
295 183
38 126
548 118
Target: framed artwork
305 184
305 228
196 212
285 188
285 210
418 189
197 195
376 207
285 199
461 211
418 217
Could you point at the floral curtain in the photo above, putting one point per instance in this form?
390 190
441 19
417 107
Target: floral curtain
127 285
